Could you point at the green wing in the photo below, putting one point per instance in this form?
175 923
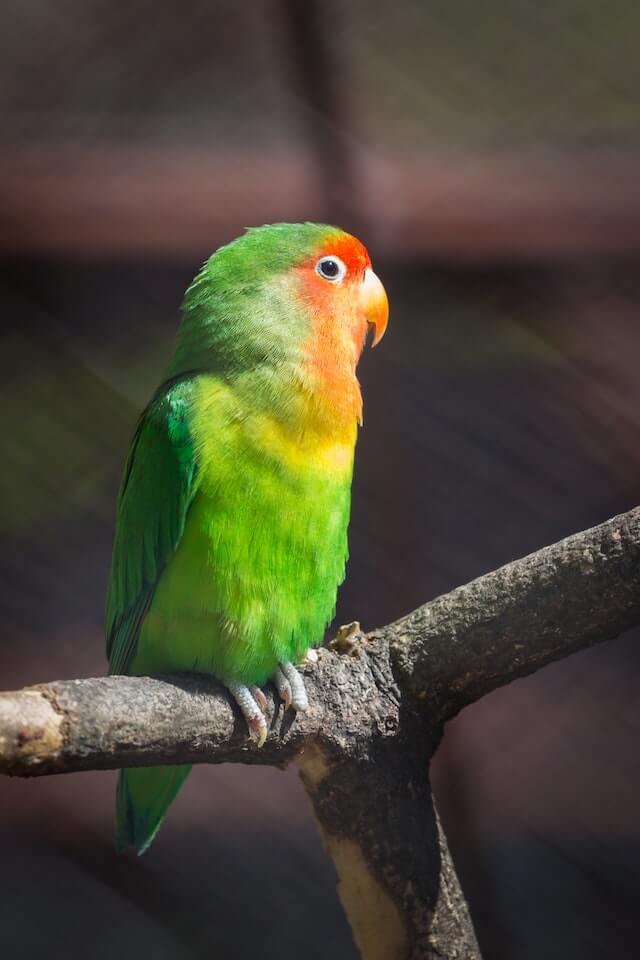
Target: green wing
157 487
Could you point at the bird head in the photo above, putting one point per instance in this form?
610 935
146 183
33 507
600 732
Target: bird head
296 295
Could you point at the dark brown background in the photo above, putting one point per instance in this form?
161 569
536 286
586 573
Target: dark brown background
488 156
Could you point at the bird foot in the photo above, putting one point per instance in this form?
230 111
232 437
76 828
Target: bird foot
252 704
290 687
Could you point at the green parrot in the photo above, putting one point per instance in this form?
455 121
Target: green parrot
231 534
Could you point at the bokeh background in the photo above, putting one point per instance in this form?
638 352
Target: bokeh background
488 155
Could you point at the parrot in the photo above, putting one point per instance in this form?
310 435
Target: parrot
231 529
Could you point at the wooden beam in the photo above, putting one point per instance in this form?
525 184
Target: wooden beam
118 200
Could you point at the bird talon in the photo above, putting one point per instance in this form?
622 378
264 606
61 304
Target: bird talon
258 730
260 698
251 711
283 687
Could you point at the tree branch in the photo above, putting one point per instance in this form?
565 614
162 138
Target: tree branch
377 705
509 623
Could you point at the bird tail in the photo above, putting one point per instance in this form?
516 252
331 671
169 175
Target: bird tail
143 797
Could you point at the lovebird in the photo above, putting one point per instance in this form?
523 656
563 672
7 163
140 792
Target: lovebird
231 532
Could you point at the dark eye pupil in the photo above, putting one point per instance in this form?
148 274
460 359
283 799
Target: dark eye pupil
329 268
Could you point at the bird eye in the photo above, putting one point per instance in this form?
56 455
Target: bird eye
331 268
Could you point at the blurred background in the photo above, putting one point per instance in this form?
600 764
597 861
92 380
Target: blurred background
488 156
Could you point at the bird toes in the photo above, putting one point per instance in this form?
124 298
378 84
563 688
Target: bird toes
299 700
251 707
283 687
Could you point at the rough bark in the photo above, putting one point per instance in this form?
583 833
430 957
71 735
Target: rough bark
377 706
509 623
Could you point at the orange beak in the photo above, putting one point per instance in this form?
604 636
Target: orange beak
375 304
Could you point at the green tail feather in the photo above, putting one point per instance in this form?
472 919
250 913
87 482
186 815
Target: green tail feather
143 797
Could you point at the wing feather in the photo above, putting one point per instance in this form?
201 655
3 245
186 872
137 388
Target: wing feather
157 488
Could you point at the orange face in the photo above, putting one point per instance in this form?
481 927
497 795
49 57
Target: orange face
345 298
338 281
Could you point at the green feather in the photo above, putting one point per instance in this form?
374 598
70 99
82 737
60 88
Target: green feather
157 487
143 796
237 314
